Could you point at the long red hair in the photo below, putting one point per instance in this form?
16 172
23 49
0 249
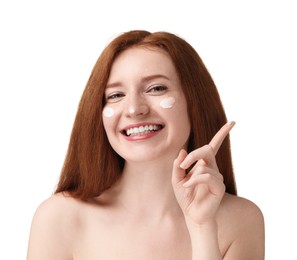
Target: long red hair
91 165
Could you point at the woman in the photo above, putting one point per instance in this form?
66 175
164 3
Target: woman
148 172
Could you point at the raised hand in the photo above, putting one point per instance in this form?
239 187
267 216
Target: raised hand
199 193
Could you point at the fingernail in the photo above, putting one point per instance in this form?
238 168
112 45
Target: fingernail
231 123
183 165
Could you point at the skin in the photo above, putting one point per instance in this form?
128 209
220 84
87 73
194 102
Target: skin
155 210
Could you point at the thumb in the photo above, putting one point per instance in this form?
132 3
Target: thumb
178 174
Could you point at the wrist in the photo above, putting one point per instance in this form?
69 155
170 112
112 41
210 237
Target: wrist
208 226
204 240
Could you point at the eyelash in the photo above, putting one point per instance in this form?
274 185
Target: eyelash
114 96
155 90
158 88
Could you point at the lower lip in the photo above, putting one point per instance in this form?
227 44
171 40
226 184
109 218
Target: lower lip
141 137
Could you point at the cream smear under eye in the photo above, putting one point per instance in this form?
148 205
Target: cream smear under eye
108 112
167 102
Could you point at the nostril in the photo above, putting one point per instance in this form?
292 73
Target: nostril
137 110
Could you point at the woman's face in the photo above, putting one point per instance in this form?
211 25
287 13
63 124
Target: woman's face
145 116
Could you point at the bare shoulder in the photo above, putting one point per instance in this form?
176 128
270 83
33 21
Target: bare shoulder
53 228
58 204
243 221
57 209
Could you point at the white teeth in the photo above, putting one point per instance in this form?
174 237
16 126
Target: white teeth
142 129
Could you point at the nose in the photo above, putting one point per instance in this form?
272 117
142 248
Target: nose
136 106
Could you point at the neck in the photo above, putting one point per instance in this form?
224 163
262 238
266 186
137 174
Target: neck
146 189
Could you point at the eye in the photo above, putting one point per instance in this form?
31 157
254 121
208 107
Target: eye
157 89
114 97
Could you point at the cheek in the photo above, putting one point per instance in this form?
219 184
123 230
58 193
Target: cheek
167 102
108 112
108 117
176 109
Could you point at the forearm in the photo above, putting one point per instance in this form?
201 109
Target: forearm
204 239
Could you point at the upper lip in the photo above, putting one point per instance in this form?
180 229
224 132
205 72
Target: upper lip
124 130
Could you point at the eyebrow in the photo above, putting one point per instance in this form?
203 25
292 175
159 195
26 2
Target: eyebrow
143 80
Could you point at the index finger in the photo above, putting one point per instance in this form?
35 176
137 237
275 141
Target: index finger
220 136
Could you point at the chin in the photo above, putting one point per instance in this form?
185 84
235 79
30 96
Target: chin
152 157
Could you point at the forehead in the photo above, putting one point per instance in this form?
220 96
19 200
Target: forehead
142 62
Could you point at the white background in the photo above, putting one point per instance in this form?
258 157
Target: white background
48 49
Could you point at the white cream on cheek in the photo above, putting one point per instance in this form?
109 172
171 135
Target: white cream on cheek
167 102
108 112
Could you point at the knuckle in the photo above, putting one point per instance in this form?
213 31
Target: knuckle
200 168
208 149
222 188
221 176
207 176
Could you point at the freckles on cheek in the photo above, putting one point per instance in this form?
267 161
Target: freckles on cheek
108 112
167 102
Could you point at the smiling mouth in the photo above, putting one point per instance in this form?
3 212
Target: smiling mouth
141 130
